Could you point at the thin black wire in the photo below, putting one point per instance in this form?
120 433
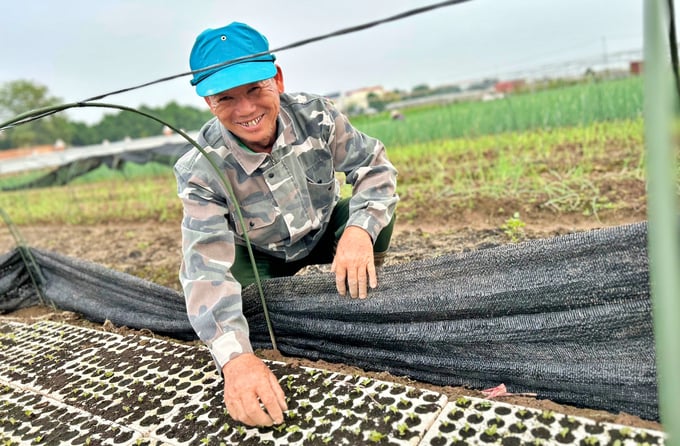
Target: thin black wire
32 268
47 111
33 115
43 111
299 43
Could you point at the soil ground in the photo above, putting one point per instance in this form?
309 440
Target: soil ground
152 251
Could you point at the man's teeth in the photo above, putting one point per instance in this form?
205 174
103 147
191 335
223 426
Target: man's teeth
251 123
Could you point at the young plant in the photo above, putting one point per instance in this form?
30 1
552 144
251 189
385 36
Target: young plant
548 415
591 441
491 430
463 402
484 405
376 436
514 228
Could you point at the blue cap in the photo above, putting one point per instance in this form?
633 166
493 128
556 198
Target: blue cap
215 46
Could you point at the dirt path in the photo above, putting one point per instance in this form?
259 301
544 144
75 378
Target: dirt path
152 250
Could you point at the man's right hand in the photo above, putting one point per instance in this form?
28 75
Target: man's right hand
247 383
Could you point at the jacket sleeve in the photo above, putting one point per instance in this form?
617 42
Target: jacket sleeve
213 295
364 161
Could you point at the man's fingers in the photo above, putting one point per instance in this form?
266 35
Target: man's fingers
249 411
278 392
362 283
356 281
252 393
372 275
341 281
275 401
256 414
353 282
237 412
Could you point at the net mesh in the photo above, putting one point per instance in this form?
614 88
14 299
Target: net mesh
568 318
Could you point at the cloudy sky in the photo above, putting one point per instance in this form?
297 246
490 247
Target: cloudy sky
81 49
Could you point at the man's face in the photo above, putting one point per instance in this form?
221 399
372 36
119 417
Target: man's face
250 111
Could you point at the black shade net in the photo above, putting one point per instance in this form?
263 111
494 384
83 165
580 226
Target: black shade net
166 153
568 318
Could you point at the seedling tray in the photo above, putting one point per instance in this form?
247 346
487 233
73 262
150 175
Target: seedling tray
62 384
474 421
159 391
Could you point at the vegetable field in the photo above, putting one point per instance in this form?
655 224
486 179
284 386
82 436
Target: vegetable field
568 106
576 149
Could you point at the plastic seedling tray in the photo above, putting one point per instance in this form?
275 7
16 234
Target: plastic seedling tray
474 421
172 393
31 418
62 384
324 408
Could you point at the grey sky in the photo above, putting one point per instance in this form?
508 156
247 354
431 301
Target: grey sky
80 49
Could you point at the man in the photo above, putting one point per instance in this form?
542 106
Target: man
280 154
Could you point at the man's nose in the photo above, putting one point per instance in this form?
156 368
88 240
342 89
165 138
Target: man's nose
244 105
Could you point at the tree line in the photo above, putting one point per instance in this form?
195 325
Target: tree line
21 96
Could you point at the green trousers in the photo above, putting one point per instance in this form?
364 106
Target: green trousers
269 266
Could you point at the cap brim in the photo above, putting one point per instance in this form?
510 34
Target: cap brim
235 76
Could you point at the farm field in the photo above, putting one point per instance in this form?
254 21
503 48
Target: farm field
457 193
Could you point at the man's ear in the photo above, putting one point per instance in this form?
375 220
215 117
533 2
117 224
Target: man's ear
279 79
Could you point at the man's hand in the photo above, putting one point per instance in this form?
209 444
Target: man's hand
353 263
247 383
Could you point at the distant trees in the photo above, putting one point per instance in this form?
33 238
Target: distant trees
420 90
119 125
20 96
379 103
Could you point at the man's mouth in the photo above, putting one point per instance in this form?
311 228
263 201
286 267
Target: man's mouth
252 122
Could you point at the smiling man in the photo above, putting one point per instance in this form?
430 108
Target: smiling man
280 153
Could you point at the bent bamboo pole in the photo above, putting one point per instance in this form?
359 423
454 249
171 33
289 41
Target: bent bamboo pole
659 98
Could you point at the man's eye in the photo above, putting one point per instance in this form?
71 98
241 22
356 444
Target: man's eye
224 99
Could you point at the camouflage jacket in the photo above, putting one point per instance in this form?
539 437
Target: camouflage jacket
285 197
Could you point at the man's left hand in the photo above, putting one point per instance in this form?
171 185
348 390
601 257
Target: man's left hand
353 263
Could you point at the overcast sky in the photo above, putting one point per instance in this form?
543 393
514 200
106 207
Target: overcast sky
79 49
